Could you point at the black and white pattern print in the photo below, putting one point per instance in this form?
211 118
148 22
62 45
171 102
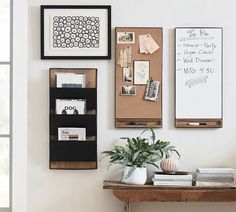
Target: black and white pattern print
76 32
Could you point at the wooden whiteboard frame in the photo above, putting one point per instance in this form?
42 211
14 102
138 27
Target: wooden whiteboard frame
135 112
199 122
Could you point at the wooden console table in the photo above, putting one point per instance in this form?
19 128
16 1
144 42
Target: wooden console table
139 193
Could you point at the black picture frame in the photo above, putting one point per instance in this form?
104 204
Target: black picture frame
97 45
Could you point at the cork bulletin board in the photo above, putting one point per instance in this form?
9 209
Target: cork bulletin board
136 71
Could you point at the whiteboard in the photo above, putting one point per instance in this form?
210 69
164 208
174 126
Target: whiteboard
198 73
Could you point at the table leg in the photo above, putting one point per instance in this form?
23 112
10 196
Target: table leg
127 207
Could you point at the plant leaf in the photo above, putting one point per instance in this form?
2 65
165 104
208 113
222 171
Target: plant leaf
140 151
130 172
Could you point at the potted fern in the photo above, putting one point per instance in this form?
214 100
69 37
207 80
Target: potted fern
137 153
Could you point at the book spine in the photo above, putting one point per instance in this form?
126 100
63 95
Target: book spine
167 183
172 177
216 179
171 180
215 175
214 184
215 170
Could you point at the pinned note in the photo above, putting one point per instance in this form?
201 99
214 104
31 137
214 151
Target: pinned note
125 57
147 44
142 48
129 55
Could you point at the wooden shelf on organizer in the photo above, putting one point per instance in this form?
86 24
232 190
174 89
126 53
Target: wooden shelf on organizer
91 75
148 192
73 165
88 112
54 138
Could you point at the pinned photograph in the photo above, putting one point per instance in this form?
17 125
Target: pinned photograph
127 75
152 90
125 37
141 72
128 90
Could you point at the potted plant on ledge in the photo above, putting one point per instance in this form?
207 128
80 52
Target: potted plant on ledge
137 153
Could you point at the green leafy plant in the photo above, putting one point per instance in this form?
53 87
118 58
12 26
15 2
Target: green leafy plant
140 151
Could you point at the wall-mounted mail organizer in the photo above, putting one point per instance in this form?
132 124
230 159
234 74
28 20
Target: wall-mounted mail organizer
138 77
198 77
73 118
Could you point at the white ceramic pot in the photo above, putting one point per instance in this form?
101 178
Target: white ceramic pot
139 176
170 165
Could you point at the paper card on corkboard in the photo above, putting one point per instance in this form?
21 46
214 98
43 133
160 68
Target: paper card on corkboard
147 44
125 57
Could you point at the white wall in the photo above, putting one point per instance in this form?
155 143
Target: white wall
20 67
75 191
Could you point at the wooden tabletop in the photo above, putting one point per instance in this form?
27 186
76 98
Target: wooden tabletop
148 192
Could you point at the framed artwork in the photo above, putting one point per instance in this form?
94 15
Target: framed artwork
141 72
75 32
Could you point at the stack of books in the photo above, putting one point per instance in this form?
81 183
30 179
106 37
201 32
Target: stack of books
214 177
177 179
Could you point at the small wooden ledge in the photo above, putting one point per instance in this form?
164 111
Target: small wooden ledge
198 123
138 123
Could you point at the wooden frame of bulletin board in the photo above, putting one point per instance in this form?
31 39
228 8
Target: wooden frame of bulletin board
135 71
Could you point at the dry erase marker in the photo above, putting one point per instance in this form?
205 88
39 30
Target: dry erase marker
196 124
193 124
